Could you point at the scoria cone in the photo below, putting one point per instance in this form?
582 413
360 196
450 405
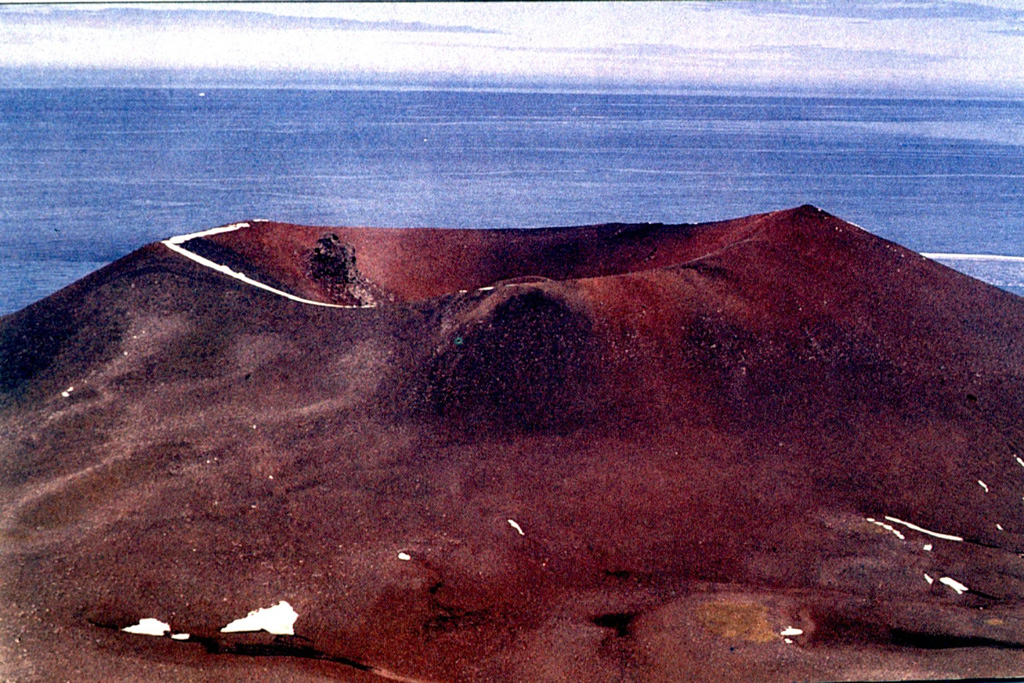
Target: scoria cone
772 448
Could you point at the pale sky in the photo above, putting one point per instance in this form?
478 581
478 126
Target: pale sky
871 45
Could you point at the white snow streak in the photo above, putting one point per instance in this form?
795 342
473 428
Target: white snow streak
174 244
181 239
887 527
954 584
512 523
936 534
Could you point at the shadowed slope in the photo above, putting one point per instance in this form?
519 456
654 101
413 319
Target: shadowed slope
772 448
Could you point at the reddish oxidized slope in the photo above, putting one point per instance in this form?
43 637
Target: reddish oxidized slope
770 448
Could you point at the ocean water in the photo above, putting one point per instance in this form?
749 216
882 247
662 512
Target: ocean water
88 175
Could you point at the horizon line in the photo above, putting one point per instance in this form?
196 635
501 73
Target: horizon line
781 90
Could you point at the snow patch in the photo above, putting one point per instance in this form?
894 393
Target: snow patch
791 631
983 485
404 557
954 584
279 620
180 636
929 579
928 547
148 627
512 523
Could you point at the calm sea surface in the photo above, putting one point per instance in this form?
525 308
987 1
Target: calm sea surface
87 175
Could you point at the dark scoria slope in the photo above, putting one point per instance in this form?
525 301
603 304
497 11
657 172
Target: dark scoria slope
773 448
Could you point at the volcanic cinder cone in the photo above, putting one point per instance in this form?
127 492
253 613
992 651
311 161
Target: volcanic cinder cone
773 448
